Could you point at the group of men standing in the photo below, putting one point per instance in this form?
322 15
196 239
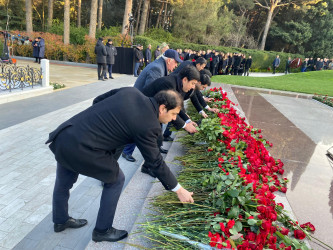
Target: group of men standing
309 64
91 142
38 50
105 56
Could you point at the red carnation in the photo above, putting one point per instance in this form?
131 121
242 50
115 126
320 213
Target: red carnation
230 223
299 234
284 231
308 226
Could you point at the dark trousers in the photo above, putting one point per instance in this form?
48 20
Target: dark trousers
246 72
101 70
274 68
109 70
287 69
65 180
167 131
129 149
235 69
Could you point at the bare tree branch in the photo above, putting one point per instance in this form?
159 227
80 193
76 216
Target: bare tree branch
258 3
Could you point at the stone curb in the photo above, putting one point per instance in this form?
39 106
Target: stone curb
25 93
88 65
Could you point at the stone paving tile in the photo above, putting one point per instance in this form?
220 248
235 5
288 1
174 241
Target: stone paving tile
39 214
15 221
14 236
9 210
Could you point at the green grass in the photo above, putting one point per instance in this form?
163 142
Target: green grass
320 82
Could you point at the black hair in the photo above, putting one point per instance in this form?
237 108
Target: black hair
190 72
206 71
205 79
200 60
170 98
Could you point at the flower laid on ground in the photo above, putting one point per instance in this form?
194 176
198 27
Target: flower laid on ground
324 99
234 178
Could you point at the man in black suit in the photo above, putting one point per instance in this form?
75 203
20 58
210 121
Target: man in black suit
90 143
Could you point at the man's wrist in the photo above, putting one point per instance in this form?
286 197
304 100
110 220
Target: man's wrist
175 189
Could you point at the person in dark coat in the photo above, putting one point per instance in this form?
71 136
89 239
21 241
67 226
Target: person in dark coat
236 63
138 59
200 64
157 52
214 64
242 65
35 49
184 83
311 64
41 51
319 64
90 143
158 68
101 54
111 52
148 55
288 62
248 65
276 63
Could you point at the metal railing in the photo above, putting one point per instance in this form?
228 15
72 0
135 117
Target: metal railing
19 77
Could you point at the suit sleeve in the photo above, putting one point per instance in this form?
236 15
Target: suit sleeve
105 95
147 143
195 101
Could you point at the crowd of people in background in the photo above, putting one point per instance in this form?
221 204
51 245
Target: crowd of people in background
309 64
218 63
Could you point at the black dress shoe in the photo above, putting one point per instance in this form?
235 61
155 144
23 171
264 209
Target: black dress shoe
105 78
128 157
163 151
169 138
70 223
147 171
111 234
111 77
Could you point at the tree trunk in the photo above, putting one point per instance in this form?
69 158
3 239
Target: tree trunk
138 13
159 16
66 21
128 10
100 14
144 17
93 19
165 15
267 26
28 15
79 13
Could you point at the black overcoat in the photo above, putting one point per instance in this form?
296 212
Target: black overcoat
100 52
170 82
87 142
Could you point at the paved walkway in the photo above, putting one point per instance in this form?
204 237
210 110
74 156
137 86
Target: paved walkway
297 127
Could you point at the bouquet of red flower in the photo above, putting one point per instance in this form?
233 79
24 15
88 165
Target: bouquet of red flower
234 178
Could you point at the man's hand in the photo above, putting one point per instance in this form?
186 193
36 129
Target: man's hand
214 110
189 127
208 99
204 115
184 195
194 124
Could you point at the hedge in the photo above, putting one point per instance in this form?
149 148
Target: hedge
262 60
84 52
